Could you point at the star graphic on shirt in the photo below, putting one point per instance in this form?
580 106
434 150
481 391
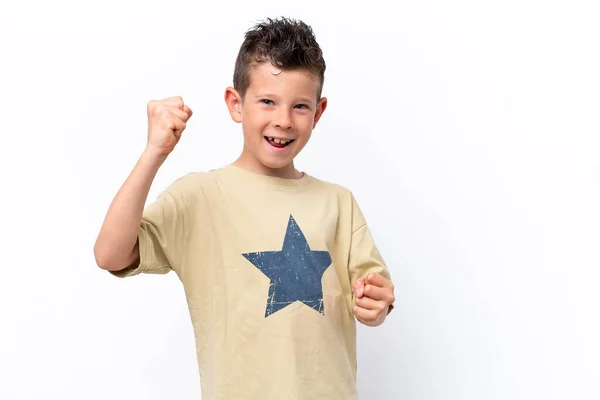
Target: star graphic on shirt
295 271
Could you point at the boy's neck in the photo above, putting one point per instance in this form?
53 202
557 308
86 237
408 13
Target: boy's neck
252 165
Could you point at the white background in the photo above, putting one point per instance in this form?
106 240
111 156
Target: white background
468 131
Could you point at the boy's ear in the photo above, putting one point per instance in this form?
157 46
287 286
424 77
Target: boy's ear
234 104
321 106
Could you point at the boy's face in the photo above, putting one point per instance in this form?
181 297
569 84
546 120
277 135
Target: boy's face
279 105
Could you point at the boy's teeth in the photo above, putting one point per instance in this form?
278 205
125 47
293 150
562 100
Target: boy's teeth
279 141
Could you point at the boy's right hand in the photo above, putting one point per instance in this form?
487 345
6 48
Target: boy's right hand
166 121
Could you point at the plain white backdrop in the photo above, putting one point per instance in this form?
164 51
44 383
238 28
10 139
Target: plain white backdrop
469 132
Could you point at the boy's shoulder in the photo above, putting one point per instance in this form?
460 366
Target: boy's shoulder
331 186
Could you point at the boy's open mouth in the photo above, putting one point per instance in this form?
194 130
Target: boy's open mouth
278 143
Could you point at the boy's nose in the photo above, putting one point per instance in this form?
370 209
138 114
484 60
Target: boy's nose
283 119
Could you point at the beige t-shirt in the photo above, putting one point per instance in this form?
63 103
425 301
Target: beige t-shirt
267 266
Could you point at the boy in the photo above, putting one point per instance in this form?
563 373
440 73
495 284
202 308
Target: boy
275 263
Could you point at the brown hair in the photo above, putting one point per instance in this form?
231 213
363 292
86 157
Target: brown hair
286 43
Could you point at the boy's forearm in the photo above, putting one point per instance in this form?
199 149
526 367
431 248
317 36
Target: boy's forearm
117 239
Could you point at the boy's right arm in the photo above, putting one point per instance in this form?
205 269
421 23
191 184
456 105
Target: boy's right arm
116 247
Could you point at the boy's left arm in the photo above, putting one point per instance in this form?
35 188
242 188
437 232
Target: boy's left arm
369 276
374 298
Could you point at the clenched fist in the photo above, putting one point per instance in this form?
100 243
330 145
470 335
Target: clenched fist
166 121
374 295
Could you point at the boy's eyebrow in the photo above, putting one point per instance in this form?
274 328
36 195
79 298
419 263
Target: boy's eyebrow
266 95
305 100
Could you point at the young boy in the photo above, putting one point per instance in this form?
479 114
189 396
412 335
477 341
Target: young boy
275 263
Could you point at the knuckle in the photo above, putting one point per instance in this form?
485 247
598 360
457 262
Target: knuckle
165 118
159 109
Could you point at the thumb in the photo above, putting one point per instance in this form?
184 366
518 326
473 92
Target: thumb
359 287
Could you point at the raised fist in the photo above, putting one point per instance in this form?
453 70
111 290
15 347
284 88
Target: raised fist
166 121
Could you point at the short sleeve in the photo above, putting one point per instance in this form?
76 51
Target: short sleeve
364 254
160 238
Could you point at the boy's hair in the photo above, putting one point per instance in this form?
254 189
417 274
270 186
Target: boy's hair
286 43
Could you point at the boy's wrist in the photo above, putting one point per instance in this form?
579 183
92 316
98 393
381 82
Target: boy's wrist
154 155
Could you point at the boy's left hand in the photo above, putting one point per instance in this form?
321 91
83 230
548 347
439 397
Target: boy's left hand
373 296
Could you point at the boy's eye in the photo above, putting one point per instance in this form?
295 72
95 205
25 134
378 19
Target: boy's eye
266 101
302 106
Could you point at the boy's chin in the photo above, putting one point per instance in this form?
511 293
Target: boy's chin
276 164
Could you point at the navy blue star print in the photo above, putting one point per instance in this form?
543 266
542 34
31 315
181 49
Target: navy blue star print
295 271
